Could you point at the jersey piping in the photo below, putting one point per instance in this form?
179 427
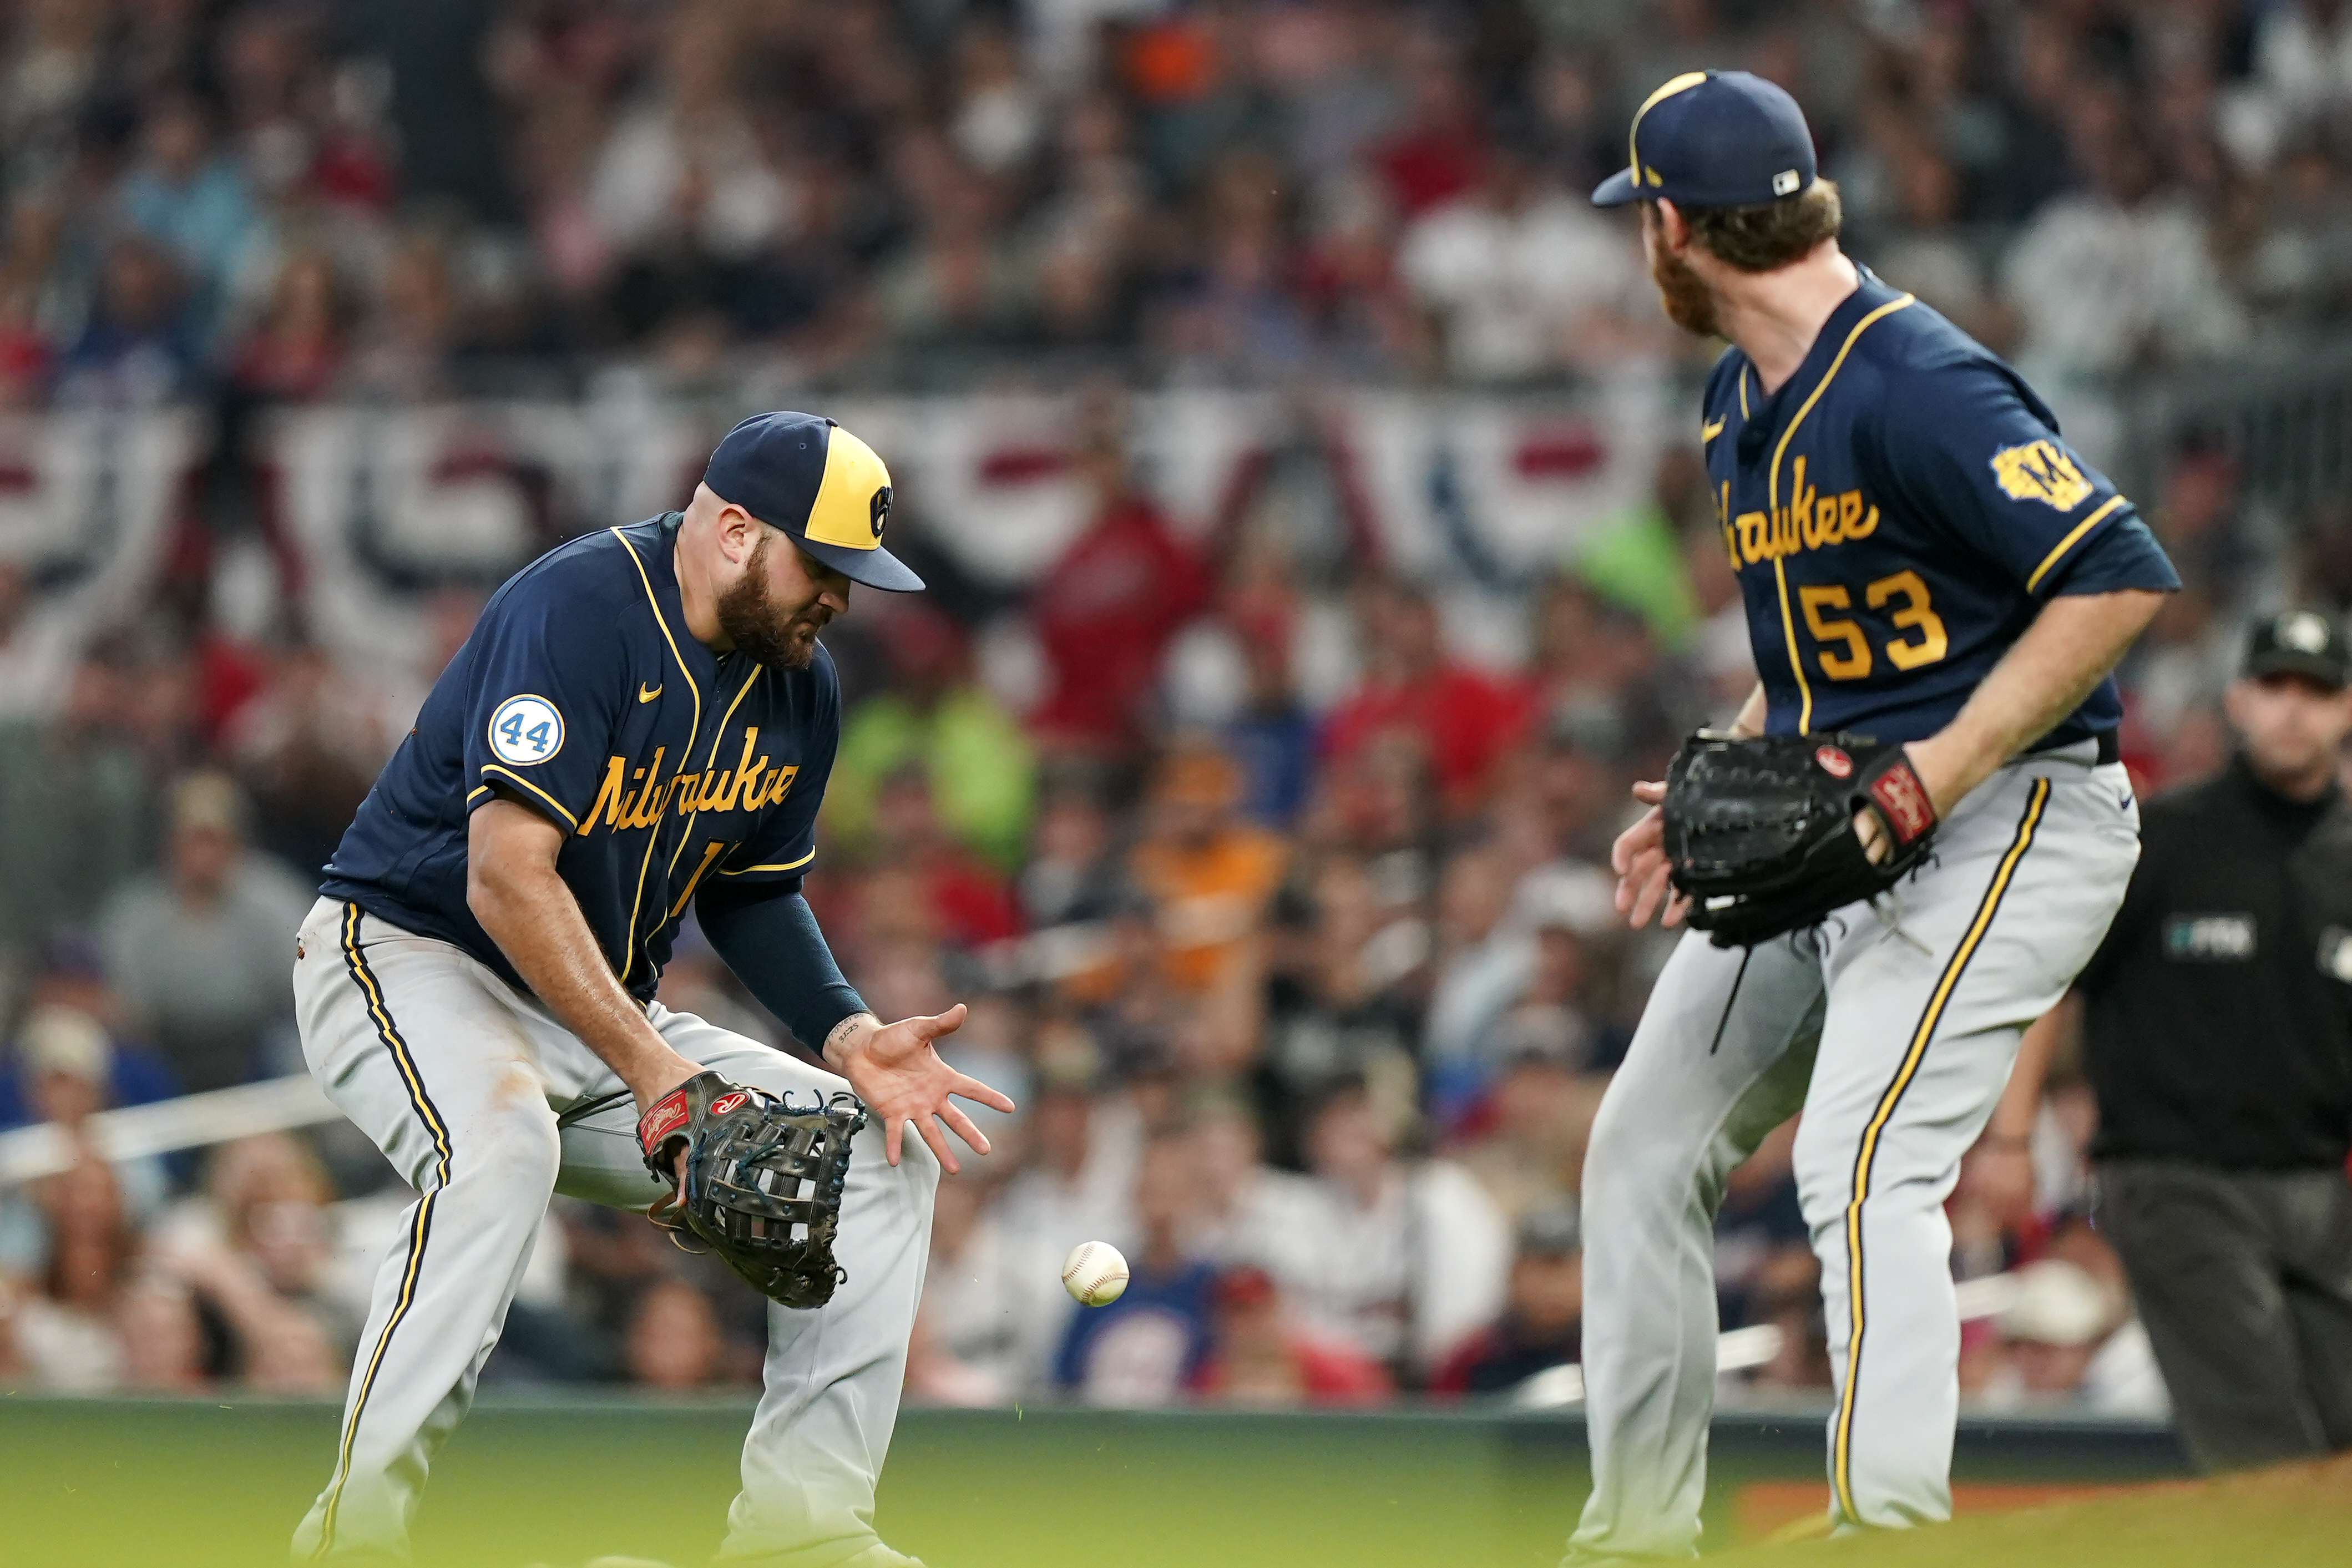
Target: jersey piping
2063 545
1772 497
694 733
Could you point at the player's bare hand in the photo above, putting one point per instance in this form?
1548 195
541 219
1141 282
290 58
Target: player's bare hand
1639 858
897 1071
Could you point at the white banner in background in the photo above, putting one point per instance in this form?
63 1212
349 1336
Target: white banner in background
995 481
1479 492
86 501
1500 488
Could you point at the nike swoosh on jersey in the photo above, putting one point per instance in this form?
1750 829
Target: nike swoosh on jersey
645 696
1709 431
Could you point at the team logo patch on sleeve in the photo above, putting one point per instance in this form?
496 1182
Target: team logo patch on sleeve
526 729
2041 470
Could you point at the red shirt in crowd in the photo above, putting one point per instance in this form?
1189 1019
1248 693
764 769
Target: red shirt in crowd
1106 613
1319 1372
1464 720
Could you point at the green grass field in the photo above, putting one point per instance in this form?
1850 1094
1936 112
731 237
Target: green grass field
205 1483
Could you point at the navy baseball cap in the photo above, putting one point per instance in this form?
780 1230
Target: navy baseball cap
819 484
1714 138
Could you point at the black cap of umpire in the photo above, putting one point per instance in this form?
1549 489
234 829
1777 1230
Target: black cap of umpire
2300 642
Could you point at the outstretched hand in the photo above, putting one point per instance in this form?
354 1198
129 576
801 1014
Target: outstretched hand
1639 858
899 1074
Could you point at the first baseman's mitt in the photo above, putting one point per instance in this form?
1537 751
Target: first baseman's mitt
1759 830
763 1180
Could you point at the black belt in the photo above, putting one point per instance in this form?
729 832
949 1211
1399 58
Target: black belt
2111 749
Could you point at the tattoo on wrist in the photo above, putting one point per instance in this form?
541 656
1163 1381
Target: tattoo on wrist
847 1027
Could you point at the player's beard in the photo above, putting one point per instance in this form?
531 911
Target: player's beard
1690 304
762 631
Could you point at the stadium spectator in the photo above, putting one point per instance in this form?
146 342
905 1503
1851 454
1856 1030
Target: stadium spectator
1259 1358
190 199
62 1318
200 954
1543 1314
1074 1183
306 749
2120 275
1072 874
64 1066
1518 273
1208 875
673 1343
978 1344
139 344
1106 611
1525 1143
64 1070
74 792
966 901
2067 1343
1149 1346
1461 720
937 717
295 353
1398 1262
1272 736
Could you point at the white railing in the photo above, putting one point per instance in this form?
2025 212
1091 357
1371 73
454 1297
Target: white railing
167 1126
1739 1350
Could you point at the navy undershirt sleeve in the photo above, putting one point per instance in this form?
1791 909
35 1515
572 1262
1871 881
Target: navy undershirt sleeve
769 937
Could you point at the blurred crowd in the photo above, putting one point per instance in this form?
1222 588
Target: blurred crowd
288 199
1281 905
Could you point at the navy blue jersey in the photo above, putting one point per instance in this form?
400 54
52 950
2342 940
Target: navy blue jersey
1896 512
581 695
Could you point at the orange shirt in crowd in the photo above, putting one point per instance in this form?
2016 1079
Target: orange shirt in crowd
1209 898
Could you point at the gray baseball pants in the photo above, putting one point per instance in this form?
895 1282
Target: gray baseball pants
1892 1027
461 1081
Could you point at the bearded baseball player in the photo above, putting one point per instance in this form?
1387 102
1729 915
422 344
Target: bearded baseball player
641 723
1912 837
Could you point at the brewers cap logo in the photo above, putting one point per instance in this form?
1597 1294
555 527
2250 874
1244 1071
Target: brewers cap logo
2041 470
526 729
880 506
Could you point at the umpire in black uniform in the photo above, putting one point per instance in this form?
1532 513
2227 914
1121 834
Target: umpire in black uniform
2217 1036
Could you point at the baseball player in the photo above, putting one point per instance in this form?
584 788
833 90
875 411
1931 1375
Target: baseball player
642 721
1925 561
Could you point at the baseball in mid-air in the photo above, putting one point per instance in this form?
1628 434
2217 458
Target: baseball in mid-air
1094 1274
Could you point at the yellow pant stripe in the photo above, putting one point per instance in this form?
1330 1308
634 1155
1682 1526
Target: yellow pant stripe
418 1231
1842 1461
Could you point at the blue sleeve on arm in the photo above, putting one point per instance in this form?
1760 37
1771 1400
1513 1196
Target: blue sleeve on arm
2123 557
1979 453
769 937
